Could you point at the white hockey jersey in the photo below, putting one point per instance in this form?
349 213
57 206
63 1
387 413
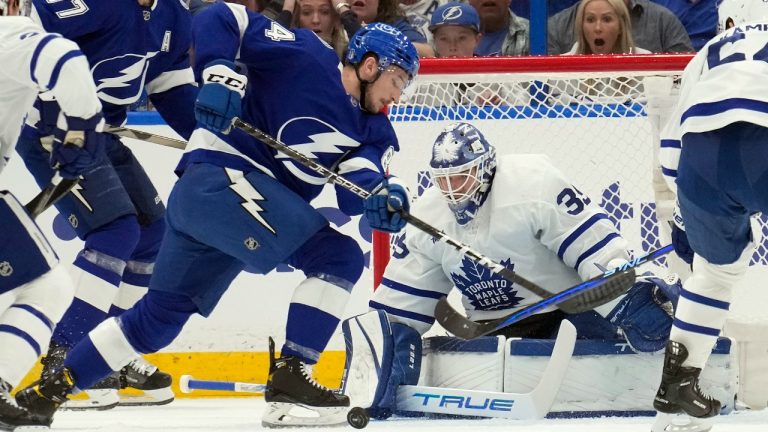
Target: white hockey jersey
35 61
534 222
726 82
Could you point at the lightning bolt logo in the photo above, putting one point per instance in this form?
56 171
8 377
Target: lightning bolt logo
325 142
131 72
250 196
76 191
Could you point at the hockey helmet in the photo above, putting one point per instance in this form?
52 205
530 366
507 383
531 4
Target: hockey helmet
462 167
736 12
390 46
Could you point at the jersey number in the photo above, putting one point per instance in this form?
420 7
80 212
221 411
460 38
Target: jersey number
278 33
714 58
78 8
573 199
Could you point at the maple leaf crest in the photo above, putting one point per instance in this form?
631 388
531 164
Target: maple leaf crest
484 289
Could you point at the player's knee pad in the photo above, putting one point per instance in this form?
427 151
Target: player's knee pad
138 270
156 320
380 357
117 239
345 264
716 280
50 294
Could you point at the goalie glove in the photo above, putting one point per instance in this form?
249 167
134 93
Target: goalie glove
220 99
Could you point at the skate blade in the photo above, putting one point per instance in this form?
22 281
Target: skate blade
98 400
30 428
280 414
161 396
681 423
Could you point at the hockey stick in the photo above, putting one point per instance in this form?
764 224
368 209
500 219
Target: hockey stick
412 398
583 297
411 219
146 136
56 189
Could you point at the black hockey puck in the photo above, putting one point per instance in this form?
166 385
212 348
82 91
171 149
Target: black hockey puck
357 418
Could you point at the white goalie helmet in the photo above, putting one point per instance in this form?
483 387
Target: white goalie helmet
15 7
736 12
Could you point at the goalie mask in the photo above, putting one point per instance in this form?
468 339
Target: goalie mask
736 12
462 167
15 7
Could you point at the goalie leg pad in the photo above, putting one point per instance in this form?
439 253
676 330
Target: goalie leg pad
380 357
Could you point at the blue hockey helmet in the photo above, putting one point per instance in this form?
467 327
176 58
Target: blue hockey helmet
390 46
462 167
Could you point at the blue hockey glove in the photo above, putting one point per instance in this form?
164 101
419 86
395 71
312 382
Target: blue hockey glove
220 99
645 314
680 238
77 149
384 205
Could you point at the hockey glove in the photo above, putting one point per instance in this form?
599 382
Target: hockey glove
680 238
220 99
384 205
77 149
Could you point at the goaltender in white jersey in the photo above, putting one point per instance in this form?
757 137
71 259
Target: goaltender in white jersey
40 290
523 213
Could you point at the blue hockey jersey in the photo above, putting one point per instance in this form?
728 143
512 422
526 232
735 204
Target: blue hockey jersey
295 94
130 48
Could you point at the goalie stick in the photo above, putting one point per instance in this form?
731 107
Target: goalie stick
476 403
436 233
582 297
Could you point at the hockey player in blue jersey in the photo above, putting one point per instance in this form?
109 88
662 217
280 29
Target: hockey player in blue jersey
715 157
132 46
238 203
38 287
522 212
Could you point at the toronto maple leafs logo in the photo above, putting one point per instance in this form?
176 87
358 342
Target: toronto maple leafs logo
484 289
446 150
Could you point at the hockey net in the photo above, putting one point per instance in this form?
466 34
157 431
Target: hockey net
597 117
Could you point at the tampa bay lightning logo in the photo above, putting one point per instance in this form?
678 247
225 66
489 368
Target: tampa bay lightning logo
119 80
452 13
316 139
484 289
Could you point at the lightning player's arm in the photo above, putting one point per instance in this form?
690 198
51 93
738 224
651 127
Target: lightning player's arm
569 224
174 91
75 18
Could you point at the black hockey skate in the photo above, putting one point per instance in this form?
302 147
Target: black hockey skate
139 374
290 385
679 391
43 398
12 415
101 396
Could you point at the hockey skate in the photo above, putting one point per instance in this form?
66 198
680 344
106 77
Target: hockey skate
294 398
680 402
141 375
13 416
102 396
43 398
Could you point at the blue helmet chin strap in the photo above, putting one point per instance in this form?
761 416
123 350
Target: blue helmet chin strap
365 83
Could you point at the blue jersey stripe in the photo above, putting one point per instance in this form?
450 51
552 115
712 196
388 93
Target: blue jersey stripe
669 172
707 301
402 313
578 232
39 315
599 245
59 64
36 54
670 143
719 107
22 334
389 283
693 328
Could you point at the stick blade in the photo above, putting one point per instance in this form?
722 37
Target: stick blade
604 290
458 324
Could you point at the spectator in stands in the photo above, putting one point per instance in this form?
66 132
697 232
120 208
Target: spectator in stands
603 27
504 33
362 12
455 29
699 17
318 16
418 14
654 28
